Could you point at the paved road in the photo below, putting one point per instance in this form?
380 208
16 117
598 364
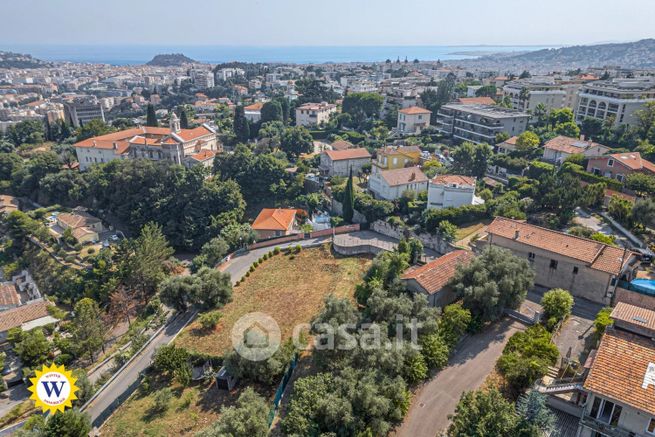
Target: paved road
15 396
467 370
129 375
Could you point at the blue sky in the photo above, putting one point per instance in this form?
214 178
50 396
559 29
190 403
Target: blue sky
329 22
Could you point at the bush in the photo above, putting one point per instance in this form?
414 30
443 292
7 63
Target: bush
526 357
464 214
209 320
557 304
161 399
602 321
276 250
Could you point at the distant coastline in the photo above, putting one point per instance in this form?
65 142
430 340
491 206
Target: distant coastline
135 54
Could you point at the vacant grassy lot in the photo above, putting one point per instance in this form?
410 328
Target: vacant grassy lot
470 229
290 289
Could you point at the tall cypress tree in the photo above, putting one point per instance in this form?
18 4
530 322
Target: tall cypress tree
349 200
241 127
151 117
184 119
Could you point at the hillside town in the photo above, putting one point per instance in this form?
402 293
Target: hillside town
412 247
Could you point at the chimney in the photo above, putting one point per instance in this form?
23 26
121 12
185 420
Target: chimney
581 137
516 234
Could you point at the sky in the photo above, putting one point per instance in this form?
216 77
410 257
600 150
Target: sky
328 22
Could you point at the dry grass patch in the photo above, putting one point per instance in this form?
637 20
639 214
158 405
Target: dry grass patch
291 289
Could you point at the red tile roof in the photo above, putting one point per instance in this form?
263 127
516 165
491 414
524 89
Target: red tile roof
8 295
449 179
572 145
274 219
254 107
414 110
634 161
403 176
340 155
619 370
203 155
342 145
634 315
120 140
434 275
15 317
596 255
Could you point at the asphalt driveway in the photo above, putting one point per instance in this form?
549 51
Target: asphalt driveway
469 366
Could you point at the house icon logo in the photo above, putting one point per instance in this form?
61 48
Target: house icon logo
256 336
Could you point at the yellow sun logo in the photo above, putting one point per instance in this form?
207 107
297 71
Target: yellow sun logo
53 389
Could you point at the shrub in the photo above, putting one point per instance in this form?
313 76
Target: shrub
276 250
557 303
161 399
298 248
209 320
255 264
435 351
602 321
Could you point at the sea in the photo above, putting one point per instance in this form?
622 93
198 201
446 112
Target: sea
215 54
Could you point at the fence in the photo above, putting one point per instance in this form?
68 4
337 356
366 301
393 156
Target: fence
296 237
280 389
336 231
276 241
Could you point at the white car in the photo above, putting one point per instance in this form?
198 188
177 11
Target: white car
114 237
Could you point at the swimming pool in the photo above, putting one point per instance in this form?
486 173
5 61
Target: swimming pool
646 286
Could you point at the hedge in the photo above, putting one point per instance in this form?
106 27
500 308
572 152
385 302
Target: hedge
457 216
591 178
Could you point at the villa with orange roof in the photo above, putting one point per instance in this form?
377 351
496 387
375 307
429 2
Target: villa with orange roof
253 113
587 268
620 165
561 147
341 162
413 120
274 222
180 146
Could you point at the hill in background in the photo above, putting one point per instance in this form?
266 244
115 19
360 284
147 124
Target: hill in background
18 60
170 60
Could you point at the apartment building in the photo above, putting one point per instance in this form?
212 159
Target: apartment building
314 114
586 268
413 120
181 146
620 386
451 191
80 111
616 98
480 123
526 94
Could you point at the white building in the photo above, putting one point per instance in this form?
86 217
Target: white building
413 120
526 94
480 123
314 114
391 184
253 113
180 146
341 162
617 98
561 147
451 191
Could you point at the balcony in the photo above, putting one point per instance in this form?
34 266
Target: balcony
607 429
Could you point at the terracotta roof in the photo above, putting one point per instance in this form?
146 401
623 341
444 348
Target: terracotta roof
448 179
8 295
634 315
511 140
414 110
403 176
120 140
341 145
192 134
477 100
596 255
403 150
619 370
339 155
633 161
274 219
317 106
571 145
15 317
434 275
74 221
254 107
203 155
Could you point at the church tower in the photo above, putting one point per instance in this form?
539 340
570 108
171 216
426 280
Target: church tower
174 123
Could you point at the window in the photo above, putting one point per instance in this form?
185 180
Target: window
606 411
575 270
610 162
553 264
531 256
619 177
651 426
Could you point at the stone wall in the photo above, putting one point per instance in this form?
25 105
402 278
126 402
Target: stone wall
434 242
337 208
